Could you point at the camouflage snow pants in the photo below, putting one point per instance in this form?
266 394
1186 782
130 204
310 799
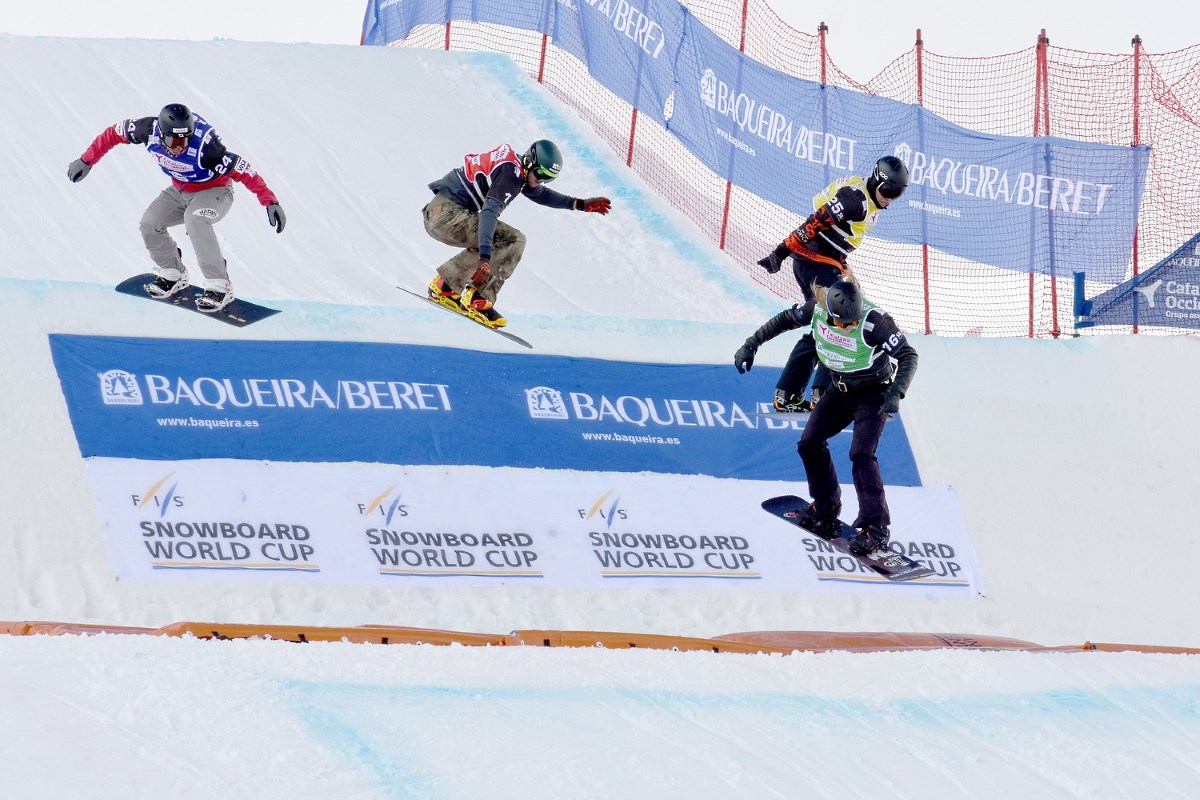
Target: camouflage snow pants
450 223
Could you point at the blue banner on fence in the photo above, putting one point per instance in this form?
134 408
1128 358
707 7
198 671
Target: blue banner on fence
1044 205
404 404
1167 294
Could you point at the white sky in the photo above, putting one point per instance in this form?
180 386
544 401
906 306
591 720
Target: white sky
863 36
1072 494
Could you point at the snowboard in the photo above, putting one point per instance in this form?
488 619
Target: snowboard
238 313
510 336
891 565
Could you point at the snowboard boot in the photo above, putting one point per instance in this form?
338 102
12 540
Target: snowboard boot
870 537
481 310
441 293
213 300
827 526
162 288
788 402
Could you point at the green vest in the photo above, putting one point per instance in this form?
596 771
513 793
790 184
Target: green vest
843 351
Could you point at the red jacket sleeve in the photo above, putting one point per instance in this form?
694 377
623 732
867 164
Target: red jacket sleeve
106 141
255 183
239 169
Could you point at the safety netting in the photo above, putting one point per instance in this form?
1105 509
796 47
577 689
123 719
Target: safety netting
1138 101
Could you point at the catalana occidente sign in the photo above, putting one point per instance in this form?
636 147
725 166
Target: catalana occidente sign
1167 295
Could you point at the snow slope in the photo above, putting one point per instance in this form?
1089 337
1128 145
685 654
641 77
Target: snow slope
1072 461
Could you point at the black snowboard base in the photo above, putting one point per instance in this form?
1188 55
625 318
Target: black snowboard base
888 563
238 313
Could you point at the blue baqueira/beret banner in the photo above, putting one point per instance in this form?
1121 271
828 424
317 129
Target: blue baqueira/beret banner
1030 204
178 400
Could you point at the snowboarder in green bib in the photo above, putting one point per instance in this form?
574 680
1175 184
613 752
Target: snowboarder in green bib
872 365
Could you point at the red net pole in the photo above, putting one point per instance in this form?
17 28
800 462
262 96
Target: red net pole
1039 110
822 29
542 59
629 163
729 184
1054 329
1137 135
447 45
1045 47
924 247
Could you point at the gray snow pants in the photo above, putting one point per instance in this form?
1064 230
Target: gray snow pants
450 223
198 212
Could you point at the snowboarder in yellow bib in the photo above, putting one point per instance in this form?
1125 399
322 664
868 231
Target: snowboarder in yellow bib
819 247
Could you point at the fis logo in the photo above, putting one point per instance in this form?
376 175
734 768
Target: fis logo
385 505
609 514
1148 291
159 498
119 388
545 403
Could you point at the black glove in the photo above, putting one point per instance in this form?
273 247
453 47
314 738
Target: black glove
78 170
482 273
890 405
771 264
275 216
743 359
595 205
774 261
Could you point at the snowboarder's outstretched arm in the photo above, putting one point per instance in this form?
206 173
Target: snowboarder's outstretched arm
787 320
545 196
127 131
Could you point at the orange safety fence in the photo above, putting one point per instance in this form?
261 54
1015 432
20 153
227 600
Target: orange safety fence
782 642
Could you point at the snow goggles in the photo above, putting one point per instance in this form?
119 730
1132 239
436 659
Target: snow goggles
543 174
172 142
847 325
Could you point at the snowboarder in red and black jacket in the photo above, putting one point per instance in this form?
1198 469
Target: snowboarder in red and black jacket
201 168
843 214
466 213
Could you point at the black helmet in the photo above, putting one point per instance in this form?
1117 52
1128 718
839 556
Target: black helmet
543 159
844 302
176 124
890 176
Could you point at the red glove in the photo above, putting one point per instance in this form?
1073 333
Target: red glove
595 205
482 273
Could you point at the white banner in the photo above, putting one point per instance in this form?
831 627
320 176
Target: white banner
379 525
